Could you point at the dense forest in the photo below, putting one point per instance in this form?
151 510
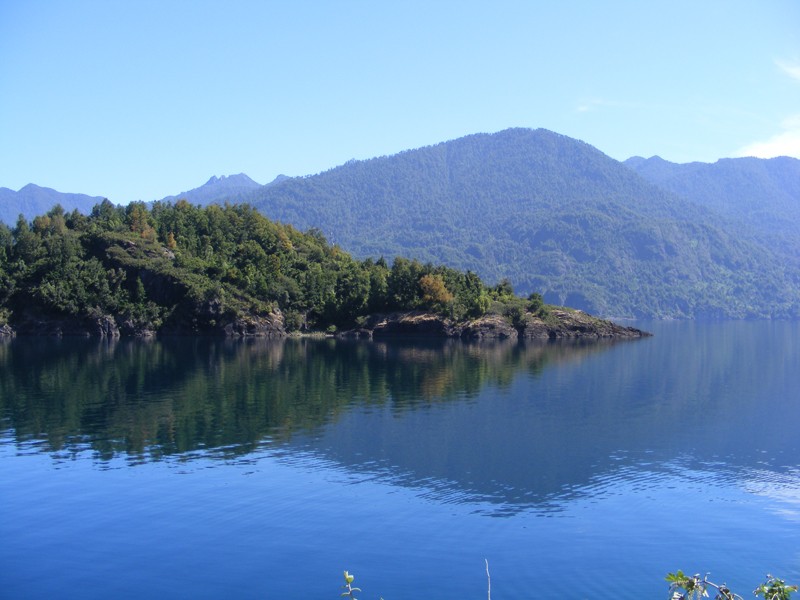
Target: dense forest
180 268
553 215
760 195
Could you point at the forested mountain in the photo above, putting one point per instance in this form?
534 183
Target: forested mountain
33 200
551 214
219 190
762 195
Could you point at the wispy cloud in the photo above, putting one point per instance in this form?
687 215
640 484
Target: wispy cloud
784 143
787 141
792 69
590 104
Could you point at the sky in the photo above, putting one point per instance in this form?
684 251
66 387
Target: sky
137 100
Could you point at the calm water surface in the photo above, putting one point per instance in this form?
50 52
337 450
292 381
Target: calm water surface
204 469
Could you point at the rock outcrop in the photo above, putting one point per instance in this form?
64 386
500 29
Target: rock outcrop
575 324
411 323
489 327
100 326
559 324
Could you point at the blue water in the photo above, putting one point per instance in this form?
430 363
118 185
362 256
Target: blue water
200 469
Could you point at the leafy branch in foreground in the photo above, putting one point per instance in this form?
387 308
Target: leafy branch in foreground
686 587
775 589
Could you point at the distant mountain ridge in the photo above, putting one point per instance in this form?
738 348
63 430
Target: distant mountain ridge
33 200
763 194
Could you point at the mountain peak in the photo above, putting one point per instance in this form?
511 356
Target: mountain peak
239 180
225 188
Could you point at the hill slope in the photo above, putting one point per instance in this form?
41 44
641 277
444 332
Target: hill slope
762 195
551 214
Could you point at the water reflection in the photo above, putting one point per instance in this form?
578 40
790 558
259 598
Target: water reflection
176 396
507 426
700 405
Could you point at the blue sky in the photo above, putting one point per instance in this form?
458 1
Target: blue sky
138 99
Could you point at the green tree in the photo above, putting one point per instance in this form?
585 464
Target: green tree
402 282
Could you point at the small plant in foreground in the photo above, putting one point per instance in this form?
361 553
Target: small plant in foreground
348 585
686 587
775 589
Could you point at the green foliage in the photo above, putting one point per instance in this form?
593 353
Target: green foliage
535 303
775 589
685 587
681 587
176 264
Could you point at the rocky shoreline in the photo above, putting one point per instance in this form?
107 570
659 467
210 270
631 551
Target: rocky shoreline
560 323
206 324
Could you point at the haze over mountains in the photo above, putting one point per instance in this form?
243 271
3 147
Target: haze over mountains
644 238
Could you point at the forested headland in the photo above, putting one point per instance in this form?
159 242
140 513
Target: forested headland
177 268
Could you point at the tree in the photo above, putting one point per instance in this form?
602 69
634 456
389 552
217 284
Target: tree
138 219
402 283
26 243
108 216
472 300
435 294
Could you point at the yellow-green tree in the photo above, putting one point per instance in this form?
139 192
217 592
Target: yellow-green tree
434 292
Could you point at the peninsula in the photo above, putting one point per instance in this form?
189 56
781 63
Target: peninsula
181 269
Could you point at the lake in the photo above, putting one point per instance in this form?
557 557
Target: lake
195 468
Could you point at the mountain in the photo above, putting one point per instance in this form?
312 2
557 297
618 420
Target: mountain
33 200
760 194
551 214
223 189
644 238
